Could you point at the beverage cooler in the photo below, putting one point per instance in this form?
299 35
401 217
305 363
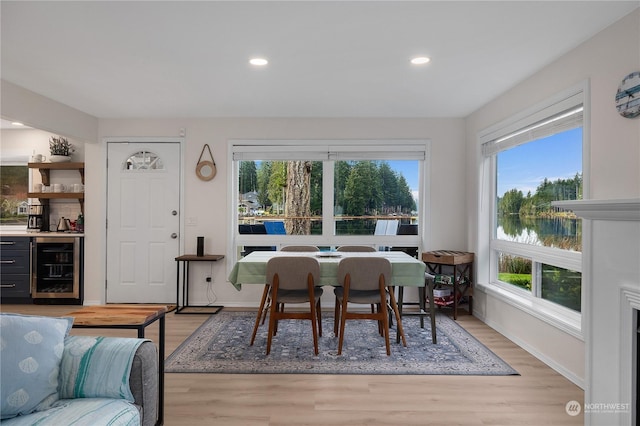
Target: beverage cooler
57 270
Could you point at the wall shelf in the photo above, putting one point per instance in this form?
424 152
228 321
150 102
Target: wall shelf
45 172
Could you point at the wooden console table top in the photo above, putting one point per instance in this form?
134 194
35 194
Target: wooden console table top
114 315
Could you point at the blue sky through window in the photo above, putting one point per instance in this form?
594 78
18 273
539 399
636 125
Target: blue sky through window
524 167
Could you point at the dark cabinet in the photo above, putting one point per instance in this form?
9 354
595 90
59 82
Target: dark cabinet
15 259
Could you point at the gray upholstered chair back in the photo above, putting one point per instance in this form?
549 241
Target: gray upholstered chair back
364 272
356 248
293 271
299 248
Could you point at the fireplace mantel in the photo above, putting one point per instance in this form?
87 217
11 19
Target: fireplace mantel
628 209
611 293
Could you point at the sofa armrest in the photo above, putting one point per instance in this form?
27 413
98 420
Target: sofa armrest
95 367
143 382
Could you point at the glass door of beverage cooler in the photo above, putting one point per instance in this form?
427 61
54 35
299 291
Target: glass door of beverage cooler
56 268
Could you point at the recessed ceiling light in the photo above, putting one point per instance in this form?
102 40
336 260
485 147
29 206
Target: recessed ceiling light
420 60
17 123
258 61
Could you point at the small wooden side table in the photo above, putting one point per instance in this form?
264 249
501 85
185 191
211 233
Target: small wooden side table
186 259
136 317
462 264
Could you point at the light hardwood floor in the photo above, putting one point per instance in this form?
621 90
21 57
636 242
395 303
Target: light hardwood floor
537 397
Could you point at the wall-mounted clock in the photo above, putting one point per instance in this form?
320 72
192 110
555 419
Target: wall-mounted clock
628 96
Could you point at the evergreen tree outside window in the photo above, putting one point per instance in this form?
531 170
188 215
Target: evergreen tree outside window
534 159
13 199
326 193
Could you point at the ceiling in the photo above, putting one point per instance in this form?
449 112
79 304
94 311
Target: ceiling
146 59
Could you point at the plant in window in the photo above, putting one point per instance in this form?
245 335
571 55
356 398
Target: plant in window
59 145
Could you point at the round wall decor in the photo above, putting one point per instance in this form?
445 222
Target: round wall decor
206 170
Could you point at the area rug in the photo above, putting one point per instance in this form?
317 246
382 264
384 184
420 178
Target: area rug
221 345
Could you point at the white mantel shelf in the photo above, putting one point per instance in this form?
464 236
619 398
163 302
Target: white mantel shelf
622 209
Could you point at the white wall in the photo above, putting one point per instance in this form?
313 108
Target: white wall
206 202
614 169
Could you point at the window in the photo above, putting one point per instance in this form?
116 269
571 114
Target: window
14 201
328 193
143 160
530 161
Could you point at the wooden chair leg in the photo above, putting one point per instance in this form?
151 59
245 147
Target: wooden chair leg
394 306
262 312
319 317
267 306
272 325
385 321
314 328
336 317
432 312
343 319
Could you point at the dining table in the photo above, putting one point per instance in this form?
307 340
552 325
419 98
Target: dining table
406 271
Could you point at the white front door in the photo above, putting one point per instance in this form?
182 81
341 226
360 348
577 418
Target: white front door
143 221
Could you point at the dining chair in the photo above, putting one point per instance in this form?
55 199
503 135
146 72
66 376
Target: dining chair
356 249
302 248
364 280
292 280
265 301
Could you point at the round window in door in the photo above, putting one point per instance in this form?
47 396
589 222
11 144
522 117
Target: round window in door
143 160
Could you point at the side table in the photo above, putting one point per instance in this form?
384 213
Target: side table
136 317
186 259
461 264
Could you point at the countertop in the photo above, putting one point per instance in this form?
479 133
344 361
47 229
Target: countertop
25 233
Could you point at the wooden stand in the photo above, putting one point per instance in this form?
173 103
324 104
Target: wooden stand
191 309
462 265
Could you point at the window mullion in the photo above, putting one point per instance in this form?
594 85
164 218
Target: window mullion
328 185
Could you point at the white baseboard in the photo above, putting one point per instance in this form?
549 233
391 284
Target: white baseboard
542 357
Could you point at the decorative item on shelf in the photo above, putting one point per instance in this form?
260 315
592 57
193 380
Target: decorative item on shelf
60 148
205 169
200 247
80 223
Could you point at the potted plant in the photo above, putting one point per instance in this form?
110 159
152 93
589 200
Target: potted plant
60 148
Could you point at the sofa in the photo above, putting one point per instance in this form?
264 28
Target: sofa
52 378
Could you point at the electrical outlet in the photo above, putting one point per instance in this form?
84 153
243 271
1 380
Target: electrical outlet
208 279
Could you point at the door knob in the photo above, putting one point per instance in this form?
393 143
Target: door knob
174 235
174 212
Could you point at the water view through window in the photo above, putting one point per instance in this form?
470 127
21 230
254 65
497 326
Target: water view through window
289 196
529 178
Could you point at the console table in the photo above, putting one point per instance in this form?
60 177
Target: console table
461 264
184 283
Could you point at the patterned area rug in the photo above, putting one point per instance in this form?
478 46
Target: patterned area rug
221 345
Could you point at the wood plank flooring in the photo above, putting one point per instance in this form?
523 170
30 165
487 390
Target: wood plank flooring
537 397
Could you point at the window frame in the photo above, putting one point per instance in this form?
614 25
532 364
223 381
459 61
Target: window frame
18 161
328 151
559 316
